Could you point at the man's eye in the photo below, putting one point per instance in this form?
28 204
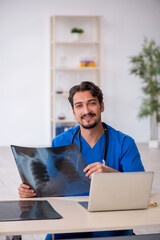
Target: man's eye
78 106
92 103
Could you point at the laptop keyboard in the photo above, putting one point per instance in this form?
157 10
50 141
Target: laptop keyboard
84 204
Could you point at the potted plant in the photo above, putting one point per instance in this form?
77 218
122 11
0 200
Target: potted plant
146 65
76 33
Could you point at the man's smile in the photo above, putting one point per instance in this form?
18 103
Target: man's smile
88 116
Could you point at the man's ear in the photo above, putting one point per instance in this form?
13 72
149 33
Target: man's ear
102 107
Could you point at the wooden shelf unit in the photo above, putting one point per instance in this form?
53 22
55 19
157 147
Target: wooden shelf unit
66 56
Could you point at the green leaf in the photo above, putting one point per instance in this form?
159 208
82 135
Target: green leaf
146 65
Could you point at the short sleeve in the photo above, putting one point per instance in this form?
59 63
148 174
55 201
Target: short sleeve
130 156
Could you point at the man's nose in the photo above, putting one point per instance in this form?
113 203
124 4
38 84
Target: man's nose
86 108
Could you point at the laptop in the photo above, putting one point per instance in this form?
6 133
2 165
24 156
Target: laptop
119 191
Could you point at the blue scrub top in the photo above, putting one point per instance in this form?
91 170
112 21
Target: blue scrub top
122 153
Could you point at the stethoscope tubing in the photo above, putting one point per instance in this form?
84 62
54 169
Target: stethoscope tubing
105 146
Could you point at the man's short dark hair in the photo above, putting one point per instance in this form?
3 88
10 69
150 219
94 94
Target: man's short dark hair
86 86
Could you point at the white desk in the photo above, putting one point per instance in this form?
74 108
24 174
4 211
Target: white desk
77 219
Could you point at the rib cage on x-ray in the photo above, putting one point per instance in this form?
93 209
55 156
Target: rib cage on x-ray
56 171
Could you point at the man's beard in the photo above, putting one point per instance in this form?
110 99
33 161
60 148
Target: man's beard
89 126
92 125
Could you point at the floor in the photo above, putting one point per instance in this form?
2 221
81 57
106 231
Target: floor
10 179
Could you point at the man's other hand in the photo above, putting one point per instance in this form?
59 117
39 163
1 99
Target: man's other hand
97 167
25 191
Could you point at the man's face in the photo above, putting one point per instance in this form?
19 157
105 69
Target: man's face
87 109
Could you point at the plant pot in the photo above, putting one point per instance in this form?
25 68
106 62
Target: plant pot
75 37
153 142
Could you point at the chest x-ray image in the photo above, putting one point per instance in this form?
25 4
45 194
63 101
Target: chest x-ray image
56 171
27 210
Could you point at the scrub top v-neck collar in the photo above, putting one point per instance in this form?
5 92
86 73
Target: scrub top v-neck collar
94 154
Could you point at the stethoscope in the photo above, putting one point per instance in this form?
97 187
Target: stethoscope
105 146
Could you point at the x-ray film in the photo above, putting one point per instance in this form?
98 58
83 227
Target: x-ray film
56 171
27 210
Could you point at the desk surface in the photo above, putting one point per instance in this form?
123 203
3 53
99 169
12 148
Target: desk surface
77 219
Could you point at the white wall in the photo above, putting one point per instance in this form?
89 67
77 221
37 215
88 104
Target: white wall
24 64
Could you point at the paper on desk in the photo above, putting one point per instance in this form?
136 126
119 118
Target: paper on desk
56 171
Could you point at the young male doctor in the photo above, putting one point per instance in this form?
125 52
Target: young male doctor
104 149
